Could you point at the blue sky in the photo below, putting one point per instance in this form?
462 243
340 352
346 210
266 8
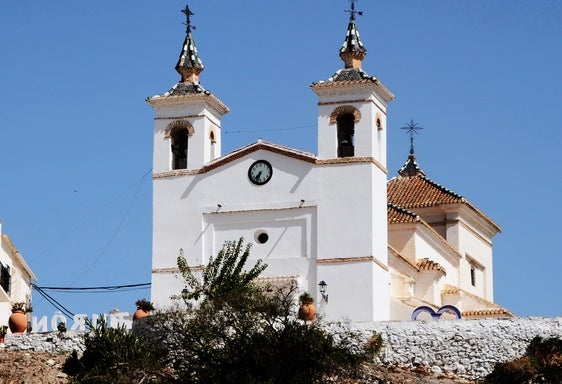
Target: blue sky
481 77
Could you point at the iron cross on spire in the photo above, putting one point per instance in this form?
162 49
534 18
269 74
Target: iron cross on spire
188 15
352 10
411 129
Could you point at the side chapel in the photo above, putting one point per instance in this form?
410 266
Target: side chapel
380 247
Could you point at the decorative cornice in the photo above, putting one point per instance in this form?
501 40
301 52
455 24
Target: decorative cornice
303 156
345 101
488 312
278 279
350 160
205 98
175 173
371 84
299 206
361 259
176 269
179 117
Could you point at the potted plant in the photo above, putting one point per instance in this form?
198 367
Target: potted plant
18 319
61 327
3 331
307 310
143 307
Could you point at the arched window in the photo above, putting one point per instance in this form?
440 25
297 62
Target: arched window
179 136
346 129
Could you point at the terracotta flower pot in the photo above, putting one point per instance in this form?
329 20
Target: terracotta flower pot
17 322
307 312
139 314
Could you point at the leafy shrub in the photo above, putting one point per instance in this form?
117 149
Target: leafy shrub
61 327
112 355
542 363
241 332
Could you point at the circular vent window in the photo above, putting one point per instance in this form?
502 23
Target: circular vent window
262 237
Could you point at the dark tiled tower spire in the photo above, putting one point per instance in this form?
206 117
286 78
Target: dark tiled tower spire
411 167
189 64
352 51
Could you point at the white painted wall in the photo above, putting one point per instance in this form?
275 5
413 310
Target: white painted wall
343 216
20 278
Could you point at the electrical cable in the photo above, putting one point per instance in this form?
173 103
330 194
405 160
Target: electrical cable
101 288
116 231
65 236
52 301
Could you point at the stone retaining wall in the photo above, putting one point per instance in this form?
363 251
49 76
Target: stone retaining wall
54 342
467 348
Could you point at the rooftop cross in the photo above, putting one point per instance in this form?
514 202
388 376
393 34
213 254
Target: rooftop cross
352 11
188 15
411 129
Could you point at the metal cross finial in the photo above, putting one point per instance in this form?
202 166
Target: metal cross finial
352 10
188 15
411 129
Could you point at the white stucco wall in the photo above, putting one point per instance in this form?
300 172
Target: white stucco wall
20 278
343 215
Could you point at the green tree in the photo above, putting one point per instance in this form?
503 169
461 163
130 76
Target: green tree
238 332
243 332
223 276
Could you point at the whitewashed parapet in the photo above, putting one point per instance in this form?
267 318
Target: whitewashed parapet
467 348
52 342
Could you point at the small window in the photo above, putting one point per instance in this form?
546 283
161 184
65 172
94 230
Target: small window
179 148
346 130
261 237
473 276
5 277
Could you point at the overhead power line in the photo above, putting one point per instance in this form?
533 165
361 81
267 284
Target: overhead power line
52 301
113 288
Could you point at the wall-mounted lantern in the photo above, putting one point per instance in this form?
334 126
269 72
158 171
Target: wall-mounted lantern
323 286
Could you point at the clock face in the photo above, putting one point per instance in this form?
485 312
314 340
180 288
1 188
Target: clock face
260 172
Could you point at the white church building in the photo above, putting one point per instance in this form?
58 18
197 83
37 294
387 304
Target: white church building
383 244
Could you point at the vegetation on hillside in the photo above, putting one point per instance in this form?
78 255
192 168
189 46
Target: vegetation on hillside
114 355
542 363
230 329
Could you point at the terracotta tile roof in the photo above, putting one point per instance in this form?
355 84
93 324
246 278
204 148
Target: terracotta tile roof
399 215
449 290
490 309
419 191
493 312
429 265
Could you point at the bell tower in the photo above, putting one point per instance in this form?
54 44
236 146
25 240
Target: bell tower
187 125
352 151
352 105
